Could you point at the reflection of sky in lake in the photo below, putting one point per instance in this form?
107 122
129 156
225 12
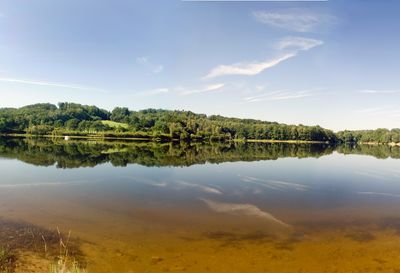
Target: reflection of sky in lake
250 188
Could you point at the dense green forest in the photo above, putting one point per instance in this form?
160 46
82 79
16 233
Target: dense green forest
366 136
82 120
75 120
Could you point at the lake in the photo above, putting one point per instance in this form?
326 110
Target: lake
178 207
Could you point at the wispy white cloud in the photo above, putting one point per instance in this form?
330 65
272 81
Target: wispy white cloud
279 95
159 91
248 69
145 61
50 84
208 88
291 45
242 209
152 92
181 91
297 43
375 91
298 20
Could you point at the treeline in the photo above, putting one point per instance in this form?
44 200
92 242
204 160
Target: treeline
44 118
370 136
75 119
82 120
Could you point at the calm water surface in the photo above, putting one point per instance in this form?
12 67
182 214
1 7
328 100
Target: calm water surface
145 207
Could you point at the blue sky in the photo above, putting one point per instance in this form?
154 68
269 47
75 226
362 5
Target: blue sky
334 63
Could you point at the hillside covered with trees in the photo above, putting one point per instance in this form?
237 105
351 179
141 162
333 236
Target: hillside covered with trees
370 136
82 120
75 119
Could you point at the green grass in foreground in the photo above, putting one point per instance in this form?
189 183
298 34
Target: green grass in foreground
114 124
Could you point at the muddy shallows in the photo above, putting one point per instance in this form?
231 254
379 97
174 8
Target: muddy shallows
28 248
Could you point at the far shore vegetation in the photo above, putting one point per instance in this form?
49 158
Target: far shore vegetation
73 120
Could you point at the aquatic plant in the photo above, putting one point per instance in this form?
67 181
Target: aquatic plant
64 263
65 266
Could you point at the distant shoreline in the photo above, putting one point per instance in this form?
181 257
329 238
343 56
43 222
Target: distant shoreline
380 143
282 141
74 120
154 139
167 139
